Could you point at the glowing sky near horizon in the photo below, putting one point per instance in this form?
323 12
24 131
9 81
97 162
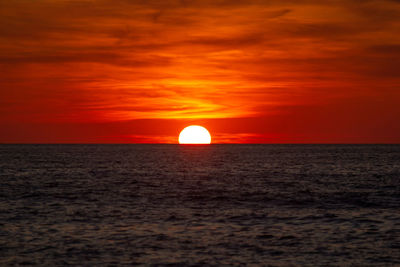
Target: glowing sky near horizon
94 71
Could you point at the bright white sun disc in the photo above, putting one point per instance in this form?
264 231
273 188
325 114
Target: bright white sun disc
194 134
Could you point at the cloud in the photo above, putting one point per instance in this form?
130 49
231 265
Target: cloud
103 60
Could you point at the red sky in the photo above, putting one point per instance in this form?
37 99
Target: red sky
132 71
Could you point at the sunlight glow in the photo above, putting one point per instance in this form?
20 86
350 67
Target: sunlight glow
194 134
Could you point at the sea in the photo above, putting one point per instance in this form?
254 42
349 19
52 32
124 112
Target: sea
200 205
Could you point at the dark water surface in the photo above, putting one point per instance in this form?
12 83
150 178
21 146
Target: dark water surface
279 205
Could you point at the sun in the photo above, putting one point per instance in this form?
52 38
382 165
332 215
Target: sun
194 134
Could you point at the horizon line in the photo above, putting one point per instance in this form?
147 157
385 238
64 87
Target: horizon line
12 143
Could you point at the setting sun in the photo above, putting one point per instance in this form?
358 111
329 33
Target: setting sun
194 134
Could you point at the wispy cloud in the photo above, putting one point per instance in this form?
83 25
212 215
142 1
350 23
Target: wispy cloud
103 60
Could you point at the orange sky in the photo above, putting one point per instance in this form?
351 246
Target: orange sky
134 71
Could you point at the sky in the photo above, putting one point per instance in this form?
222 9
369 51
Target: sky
136 71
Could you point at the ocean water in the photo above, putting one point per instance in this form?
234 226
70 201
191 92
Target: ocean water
270 205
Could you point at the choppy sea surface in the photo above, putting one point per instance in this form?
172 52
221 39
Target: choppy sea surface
271 205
